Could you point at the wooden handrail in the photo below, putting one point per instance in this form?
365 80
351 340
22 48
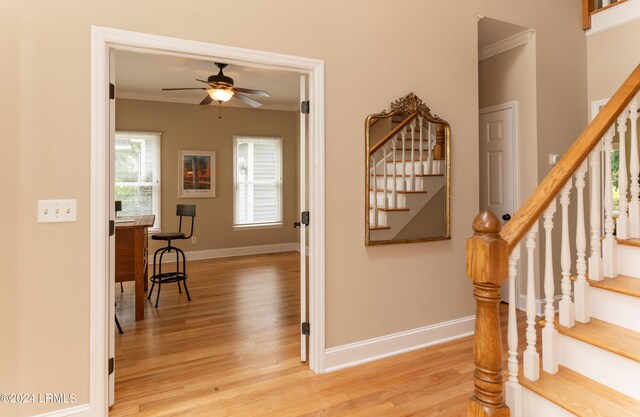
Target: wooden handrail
548 189
392 133
587 8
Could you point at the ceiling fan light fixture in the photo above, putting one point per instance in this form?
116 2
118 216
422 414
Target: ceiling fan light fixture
220 94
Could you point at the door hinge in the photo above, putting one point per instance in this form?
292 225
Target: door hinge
306 328
112 365
304 218
112 227
112 91
304 107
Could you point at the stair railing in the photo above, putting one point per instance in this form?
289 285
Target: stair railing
398 172
590 7
493 252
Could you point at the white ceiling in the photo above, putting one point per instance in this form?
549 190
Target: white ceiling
142 76
491 31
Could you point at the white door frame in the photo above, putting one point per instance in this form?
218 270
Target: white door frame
102 41
513 106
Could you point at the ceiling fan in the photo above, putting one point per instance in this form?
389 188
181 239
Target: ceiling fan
220 88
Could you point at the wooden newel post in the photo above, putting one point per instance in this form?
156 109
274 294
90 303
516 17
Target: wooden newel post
487 265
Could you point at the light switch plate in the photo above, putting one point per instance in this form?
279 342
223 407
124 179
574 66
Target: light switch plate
57 211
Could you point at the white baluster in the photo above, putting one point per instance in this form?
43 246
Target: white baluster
567 309
421 122
512 387
549 333
634 167
595 260
403 184
605 3
385 164
412 172
375 193
609 243
622 223
429 150
531 357
394 190
581 286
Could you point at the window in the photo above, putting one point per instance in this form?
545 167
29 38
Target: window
257 165
137 173
615 165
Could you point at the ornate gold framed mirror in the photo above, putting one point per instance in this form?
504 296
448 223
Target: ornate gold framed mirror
408 174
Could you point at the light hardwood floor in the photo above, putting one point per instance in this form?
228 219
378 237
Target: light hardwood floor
233 351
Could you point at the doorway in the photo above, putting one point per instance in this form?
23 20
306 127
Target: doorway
508 121
103 41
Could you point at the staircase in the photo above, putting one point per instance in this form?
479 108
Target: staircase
407 170
583 358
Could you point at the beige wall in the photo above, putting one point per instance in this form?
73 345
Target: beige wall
191 127
46 152
612 55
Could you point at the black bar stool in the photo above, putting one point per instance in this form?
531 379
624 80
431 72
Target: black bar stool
179 275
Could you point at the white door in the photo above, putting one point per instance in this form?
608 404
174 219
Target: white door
303 228
497 165
111 117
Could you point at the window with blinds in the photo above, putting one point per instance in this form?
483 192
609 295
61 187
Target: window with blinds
137 173
257 181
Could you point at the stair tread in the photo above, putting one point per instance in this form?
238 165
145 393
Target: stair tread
416 161
392 209
580 395
408 175
629 242
379 227
380 190
622 284
607 336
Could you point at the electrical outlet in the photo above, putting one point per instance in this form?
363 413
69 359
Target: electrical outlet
52 211
193 240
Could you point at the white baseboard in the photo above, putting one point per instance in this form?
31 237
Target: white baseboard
381 347
231 252
522 305
77 411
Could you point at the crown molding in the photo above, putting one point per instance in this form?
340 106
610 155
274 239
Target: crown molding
506 44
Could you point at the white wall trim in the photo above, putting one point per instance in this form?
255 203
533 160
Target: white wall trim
357 353
78 411
506 44
102 41
595 106
614 16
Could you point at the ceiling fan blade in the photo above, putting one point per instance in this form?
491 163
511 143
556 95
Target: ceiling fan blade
206 100
203 81
175 89
247 100
252 91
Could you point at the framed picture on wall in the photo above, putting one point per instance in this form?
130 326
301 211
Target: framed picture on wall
196 171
